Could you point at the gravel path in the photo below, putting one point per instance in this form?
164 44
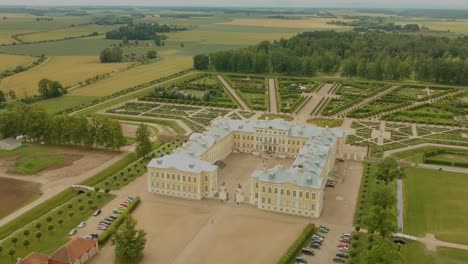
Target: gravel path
273 100
234 93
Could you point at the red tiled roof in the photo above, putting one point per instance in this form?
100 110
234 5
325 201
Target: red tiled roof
35 258
73 250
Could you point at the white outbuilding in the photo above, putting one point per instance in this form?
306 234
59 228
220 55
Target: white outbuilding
9 144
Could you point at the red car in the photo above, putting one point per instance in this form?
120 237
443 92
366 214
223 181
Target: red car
343 245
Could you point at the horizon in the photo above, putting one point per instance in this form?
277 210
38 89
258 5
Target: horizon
294 4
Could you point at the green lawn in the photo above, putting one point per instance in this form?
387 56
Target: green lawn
415 253
34 158
416 155
34 164
435 202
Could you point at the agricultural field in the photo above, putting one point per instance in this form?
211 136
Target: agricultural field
14 194
251 89
290 91
306 24
10 62
126 79
68 70
59 34
443 212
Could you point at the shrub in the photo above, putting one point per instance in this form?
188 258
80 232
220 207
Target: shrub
106 235
301 241
354 244
355 237
357 228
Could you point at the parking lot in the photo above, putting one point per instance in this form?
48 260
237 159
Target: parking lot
211 231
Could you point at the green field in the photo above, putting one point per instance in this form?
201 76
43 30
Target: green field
415 253
443 211
35 164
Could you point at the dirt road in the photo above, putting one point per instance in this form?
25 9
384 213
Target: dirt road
234 94
272 96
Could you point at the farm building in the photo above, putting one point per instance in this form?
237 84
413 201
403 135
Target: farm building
9 144
77 251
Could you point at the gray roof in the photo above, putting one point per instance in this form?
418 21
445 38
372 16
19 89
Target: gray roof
182 163
312 157
10 141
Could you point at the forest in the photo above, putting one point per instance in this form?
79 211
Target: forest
141 31
370 55
367 23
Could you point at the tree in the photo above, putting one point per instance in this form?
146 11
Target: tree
38 225
49 88
14 240
60 221
151 54
383 251
38 235
114 54
182 45
129 242
201 62
26 242
70 214
2 97
380 220
50 227
11 252
142 138
1 250
26 232
60 212
388 170
384 197
49 219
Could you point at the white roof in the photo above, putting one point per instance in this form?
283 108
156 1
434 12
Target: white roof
10 141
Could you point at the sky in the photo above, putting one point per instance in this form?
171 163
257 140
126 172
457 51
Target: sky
422 4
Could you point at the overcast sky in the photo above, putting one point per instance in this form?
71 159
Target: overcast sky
446 4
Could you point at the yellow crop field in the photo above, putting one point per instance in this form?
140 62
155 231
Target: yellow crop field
226 37
9 62
312 23
5 35
135 76
64 33
69 70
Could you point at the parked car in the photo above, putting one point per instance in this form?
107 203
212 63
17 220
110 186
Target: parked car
124 205
102 228
82 224
301 259
343 249
343 245
116 211
323 230
315 246
98 212
94 235
330 185
324 227
316 236
314 241
131 197
346 234
88 237
308 251
72 232
339 260
344 240
113 217
342 255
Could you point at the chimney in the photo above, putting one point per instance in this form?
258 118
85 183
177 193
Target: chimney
300 168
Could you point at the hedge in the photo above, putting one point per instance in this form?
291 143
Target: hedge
297 246
36 212
112 229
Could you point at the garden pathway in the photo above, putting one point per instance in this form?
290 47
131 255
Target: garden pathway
317 98
432 243
414 128
273 100
400 205
234 94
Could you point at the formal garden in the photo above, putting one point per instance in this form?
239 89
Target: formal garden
290 92
201 89
349 94
251 89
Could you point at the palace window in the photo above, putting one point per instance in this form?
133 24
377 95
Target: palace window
313 196
206 188
294 193
189 179
300 194
313 207
276 190
263 189
256 185
178 177
269 189
206 177
287 192
307 195
263 199
183 177
282 191
269 200
256 195
194 179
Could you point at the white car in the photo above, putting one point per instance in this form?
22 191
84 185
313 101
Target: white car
72 232
82 224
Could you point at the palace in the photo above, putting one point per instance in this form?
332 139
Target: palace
191 171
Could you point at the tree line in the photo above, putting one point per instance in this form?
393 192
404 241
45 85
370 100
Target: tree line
38 125
370 55
141 31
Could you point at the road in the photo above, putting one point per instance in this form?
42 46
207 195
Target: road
304 114
234 94
273 100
